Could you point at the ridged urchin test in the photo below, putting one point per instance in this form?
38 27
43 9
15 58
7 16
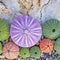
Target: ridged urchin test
25 31
51 29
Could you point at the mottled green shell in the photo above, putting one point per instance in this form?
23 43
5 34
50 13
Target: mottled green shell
51 29
35 52
24 52
4 30
0 48
57 46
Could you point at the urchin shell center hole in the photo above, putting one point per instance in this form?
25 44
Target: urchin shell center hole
35 52
47 45
24 53
8 50
53 30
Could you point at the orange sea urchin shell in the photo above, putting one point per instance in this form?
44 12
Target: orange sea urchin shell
46 45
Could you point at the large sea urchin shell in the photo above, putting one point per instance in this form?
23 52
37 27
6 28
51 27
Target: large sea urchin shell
25 31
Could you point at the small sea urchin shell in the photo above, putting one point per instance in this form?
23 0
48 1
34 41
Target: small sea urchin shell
35 52
46 45
24 52
10 50
4 30
57 46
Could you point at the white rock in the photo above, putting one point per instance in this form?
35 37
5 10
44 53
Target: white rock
52 10
32 8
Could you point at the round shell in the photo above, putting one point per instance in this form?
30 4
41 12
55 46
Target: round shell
4 30
51 29
0 48
24 53
25 31
35 52
10 50
46 45
57 46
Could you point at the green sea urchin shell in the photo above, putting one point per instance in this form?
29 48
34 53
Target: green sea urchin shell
24 53
0 48
4 30
51 29
57 46
35 52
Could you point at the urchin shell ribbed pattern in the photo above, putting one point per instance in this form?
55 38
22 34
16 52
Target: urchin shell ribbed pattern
25 31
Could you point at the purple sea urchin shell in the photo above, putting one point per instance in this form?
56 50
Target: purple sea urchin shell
25 31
